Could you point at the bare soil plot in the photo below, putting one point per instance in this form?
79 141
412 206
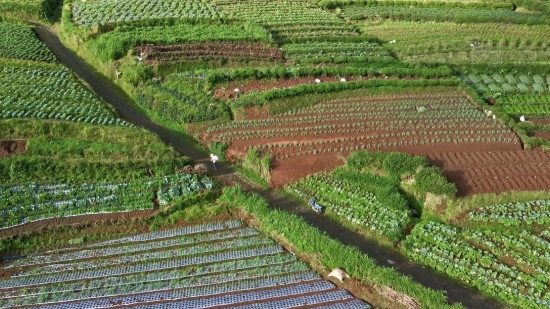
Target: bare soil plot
237 50
495 171
316 138
9 148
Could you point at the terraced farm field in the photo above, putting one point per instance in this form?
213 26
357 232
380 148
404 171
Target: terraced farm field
312 84
438 14
463 43
23 204
213 265
338 52
315 138
227 50
498 263
495 171
288 19
20 42
109 11
49 91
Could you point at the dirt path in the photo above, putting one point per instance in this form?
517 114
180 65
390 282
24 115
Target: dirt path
386 257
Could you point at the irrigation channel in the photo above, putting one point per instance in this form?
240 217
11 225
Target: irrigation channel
386 257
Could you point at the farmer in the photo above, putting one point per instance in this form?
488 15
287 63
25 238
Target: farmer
214 159
316 207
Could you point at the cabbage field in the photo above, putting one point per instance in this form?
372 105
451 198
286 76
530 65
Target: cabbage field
49 92
513 266
89 13
33 202
509 83
20 42
288 20
338 52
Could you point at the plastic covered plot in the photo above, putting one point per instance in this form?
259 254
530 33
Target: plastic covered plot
246 284
258 296
145 266
191 287
199 303
155 255
84 254
319 298
107 302
171 233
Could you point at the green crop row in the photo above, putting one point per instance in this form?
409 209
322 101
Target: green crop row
338 52
290 19
28 9
514 213
177 100
442 14
418 4
490 269
399 70
20 42
261 98
49 92
16 170
508 83
89 13
465 43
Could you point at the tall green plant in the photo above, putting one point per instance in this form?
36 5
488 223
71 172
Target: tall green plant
259 164
397 164
431 179
17 170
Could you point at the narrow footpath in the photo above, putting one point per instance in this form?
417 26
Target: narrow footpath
386 257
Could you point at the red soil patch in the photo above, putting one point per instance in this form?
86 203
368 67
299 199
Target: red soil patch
317 138
256 112
545 135
9 148
268 84
289 170
542 121
75 220
495 171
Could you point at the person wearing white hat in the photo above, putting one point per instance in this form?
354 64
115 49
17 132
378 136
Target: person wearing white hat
214 159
